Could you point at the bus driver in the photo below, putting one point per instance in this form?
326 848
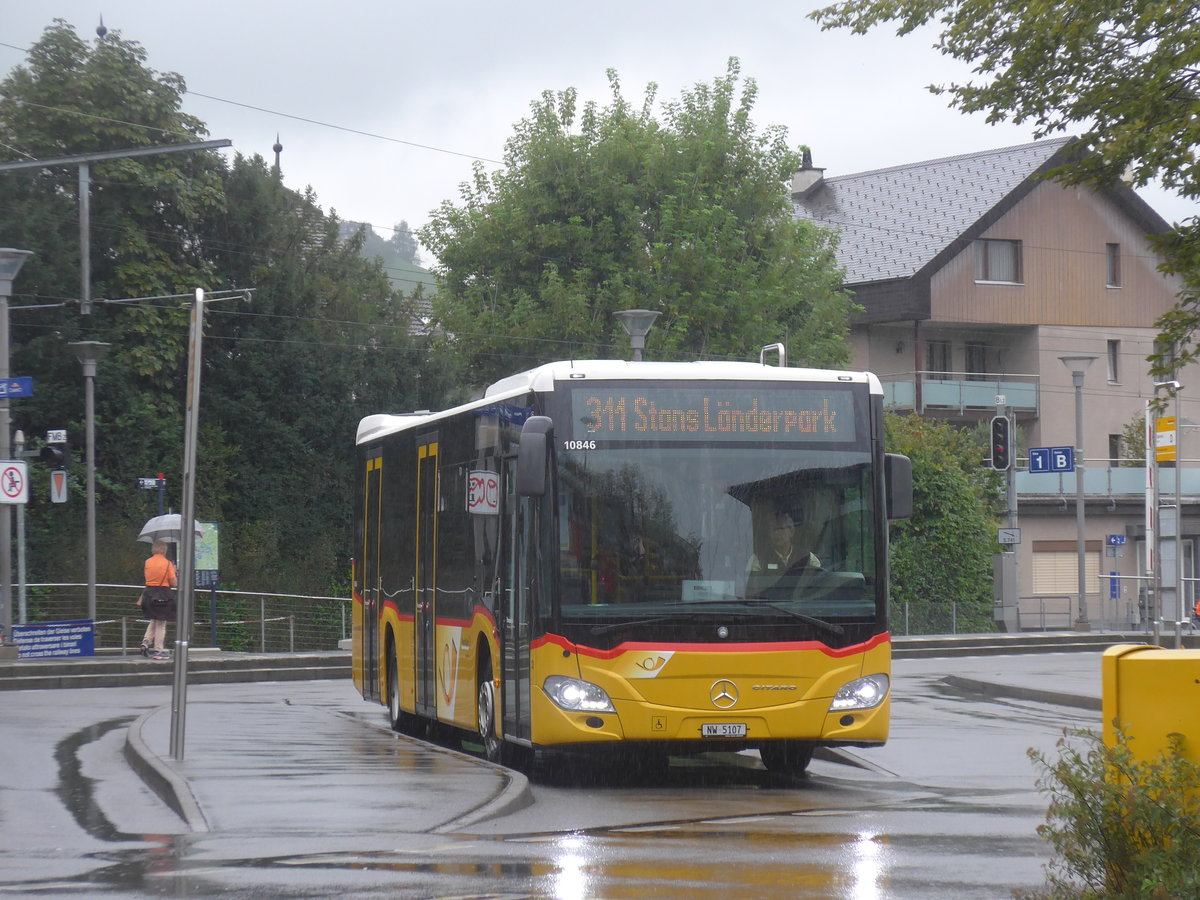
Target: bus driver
783 557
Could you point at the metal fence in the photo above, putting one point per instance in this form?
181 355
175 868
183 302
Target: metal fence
246 621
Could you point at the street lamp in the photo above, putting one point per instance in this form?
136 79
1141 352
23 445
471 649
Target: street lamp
1079 366
637 324
89 353
10 264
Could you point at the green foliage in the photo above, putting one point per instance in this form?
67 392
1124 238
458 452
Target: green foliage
1125 75
1121 827
943 553
1133 441
602 209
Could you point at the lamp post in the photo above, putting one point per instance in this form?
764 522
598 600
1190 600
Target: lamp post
637 324
89 353
1078 366
10 264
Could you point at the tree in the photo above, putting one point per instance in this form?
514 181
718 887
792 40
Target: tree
285 380
1124 73
943 553
71 98
603 209
404 243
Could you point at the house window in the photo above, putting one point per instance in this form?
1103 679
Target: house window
1112 253
1114 362
1058 572
998 261
937 358
976 361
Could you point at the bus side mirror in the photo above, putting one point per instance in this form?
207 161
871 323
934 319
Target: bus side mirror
897 475
532 456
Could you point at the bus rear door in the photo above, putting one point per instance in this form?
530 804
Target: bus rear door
426 574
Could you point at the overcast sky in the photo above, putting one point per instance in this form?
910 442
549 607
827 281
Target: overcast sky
453 77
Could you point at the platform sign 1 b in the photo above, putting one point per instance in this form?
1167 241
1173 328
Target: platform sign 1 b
1051 459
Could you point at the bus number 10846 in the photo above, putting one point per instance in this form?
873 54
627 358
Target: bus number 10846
579 445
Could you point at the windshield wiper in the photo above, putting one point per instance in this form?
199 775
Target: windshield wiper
821 624
631 623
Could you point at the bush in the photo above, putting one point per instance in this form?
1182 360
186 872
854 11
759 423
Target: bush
1121 827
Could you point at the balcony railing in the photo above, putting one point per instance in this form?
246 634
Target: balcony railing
961 391
1107 481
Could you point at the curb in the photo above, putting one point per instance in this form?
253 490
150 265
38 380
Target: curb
516 793
167 784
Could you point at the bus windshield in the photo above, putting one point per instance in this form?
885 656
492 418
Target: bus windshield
663 514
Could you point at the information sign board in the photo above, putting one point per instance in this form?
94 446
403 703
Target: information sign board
47 640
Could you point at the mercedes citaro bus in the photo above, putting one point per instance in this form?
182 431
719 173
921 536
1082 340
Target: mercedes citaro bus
593 556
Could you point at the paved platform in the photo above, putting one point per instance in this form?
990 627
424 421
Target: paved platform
230 777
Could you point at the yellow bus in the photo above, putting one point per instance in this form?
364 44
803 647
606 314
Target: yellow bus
665 558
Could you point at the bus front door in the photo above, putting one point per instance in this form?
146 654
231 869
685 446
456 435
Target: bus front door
520 555
426 574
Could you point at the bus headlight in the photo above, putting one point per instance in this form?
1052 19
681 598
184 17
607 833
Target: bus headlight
576 695
861 693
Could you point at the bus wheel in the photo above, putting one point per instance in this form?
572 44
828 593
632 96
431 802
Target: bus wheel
786 757
403 722
486 717
395 714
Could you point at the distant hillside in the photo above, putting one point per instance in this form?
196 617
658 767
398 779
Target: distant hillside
398 255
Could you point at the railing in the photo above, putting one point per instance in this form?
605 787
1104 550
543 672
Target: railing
1107 481
247 621
924 390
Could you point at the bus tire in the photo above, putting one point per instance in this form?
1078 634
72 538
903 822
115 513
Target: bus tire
485 712
399 719
786 757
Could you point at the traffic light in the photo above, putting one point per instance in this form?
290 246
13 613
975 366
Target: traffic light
1001 443
56 456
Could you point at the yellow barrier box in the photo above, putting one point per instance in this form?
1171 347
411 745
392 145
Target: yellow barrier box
1151 692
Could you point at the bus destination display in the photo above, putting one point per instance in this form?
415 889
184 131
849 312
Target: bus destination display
737 414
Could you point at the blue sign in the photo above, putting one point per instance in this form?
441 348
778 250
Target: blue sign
1116 540
21 386
55 640
1051 459
1114 586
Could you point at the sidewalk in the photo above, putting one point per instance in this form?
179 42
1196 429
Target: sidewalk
272 763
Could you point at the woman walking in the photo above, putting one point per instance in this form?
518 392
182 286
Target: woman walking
158 599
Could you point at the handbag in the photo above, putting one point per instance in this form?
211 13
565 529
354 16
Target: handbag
158 601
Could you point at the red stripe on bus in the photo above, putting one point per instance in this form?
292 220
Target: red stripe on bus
461 623
759 647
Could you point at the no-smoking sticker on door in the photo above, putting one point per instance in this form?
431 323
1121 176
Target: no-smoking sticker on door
14 483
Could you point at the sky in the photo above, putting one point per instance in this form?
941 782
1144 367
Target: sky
382 106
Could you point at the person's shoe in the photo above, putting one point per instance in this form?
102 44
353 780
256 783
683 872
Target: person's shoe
145 648
160 655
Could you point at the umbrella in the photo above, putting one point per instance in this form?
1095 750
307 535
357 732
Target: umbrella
165 528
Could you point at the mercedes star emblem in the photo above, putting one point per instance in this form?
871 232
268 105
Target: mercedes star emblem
723 694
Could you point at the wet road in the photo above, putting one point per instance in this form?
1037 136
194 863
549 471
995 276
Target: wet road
948 809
